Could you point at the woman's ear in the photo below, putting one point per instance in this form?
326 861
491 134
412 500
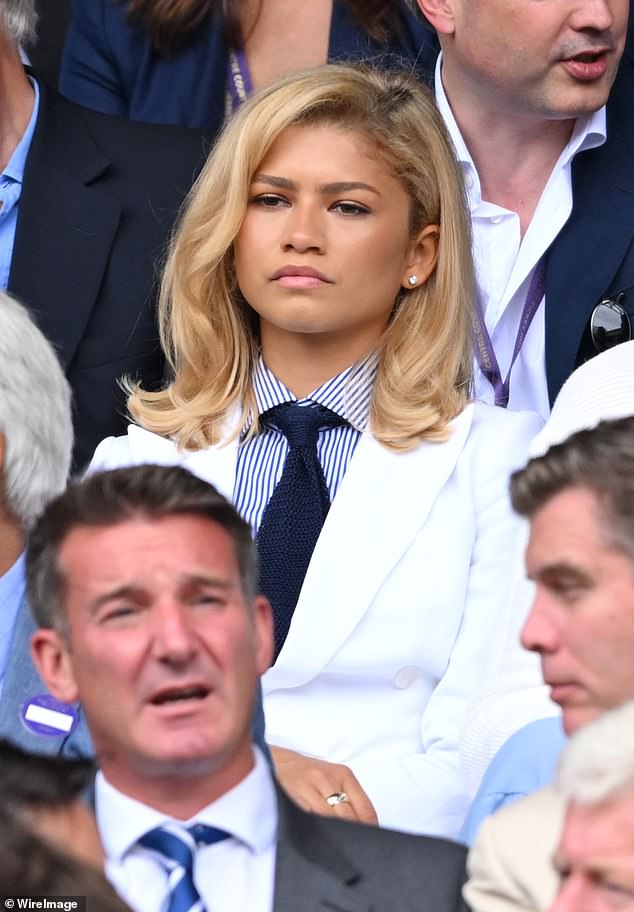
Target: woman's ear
439 14
51 656
422 257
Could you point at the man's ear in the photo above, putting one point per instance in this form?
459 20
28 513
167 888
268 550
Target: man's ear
51 657
263 623
439 14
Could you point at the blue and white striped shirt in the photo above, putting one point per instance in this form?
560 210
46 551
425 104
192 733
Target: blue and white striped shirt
261 459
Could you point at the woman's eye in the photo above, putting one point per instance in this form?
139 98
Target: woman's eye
269 201
350 208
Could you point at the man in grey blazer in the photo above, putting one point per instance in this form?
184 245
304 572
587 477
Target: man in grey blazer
36 439
143 581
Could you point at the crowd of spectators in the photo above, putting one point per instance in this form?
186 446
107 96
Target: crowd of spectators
317 454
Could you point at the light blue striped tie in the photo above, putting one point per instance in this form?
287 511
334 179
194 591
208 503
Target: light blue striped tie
175 845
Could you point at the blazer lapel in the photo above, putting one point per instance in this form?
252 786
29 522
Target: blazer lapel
215 464
382 503
599 232
65 226
312 865
21 679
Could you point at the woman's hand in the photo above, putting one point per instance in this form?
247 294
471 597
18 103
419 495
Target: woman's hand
310 782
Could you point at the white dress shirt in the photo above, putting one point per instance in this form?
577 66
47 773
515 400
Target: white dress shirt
505 261
235 875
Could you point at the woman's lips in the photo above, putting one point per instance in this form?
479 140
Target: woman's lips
292 276
301 281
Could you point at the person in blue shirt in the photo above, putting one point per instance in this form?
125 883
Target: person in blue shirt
87 203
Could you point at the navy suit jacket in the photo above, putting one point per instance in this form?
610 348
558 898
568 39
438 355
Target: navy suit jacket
108 63
99 198
593 255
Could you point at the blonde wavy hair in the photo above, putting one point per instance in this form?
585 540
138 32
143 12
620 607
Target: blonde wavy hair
210 334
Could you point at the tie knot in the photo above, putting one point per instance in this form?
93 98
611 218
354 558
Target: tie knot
301 424
177 843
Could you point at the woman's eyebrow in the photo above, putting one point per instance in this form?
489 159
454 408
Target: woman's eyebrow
343 186
284 183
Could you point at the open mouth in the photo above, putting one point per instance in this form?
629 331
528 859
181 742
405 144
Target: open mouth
180 694
590 57
588 66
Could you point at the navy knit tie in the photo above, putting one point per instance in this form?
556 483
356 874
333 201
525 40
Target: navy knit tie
175 845
294 515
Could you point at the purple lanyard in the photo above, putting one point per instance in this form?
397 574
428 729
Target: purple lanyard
239 85
485 355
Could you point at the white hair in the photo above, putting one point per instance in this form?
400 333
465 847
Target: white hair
598 762
18 19
35 416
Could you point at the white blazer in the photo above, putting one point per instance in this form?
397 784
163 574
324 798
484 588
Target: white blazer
401 604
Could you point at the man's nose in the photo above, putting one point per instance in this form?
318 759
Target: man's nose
572 896
539 633
593 15
173 637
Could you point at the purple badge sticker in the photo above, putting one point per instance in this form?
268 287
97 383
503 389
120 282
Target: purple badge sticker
47 717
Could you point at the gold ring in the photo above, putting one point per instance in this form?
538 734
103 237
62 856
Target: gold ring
336 798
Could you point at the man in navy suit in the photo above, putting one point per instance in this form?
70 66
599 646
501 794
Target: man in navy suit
88 202
541 117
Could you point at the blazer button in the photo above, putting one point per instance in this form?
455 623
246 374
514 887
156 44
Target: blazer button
406 676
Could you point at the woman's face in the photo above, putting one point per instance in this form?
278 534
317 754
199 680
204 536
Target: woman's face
325 243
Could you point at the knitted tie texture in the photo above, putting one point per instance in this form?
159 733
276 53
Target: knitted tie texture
176 846
294 515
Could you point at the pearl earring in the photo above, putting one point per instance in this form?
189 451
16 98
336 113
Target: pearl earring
413 280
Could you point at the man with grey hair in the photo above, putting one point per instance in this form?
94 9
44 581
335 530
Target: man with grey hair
87 205
19 20
579 498
595 855
36 439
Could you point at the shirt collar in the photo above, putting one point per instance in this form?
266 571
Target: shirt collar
348 394
16 164
248 811
589 131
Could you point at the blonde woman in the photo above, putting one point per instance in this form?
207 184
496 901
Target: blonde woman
323 265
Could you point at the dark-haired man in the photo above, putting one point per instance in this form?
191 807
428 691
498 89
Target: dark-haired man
579 498
143 580
544 129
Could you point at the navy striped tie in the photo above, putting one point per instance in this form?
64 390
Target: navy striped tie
175 845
